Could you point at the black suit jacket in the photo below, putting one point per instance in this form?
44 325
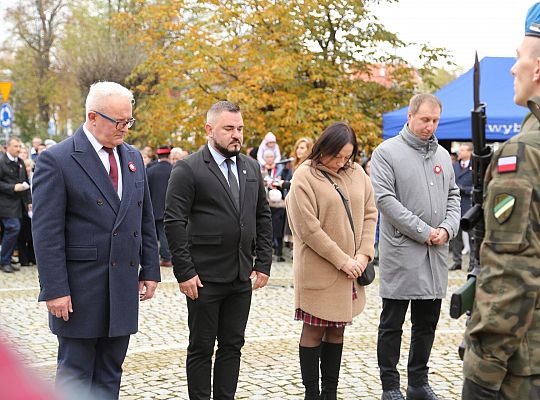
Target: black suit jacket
11 202
207 235
158 178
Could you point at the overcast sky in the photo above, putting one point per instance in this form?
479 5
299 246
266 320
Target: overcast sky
493 27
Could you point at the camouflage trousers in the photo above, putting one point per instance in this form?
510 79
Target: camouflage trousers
520 388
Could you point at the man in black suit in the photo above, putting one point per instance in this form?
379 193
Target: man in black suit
158 179
14 198
464 180
219 228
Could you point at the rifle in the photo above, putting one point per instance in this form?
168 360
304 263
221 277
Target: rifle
462 300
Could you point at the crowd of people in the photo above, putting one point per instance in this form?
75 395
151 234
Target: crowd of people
297 197
99 207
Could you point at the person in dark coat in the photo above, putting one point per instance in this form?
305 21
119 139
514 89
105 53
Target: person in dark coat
219 229
95 242
158 179
14 198
464 180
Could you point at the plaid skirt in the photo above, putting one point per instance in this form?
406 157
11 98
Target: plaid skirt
306 318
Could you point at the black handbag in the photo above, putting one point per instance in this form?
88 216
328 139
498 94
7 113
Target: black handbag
368 275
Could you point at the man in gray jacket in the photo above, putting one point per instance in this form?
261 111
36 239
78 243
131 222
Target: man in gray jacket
419 203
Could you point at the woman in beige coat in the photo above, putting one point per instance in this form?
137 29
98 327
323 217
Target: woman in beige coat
328 256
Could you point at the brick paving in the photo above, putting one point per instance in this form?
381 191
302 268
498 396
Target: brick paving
154 368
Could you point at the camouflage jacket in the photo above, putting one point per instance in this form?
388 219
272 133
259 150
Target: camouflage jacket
503 335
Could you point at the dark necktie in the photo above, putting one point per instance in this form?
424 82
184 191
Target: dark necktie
233 183
113 170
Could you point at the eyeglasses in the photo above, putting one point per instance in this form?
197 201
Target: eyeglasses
119 124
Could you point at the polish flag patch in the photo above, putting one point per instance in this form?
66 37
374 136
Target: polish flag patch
507 164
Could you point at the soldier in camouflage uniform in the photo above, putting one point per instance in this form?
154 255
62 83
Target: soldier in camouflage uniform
502 357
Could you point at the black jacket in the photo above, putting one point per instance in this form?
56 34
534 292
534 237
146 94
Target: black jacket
158 178
12 202
207 236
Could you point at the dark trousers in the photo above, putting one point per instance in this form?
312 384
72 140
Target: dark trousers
164 252
278 227
221 312
456 246
424 318
25 243
12 226
91 366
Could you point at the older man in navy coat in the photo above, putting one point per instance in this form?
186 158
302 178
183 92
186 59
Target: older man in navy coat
95 242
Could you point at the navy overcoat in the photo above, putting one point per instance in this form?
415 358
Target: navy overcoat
90 244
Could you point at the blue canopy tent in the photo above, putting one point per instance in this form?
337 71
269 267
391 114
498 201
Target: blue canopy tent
496 90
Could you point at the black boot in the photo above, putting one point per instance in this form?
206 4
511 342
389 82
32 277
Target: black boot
330 365
309 366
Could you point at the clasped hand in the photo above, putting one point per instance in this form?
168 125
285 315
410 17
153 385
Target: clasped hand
437 236
354 267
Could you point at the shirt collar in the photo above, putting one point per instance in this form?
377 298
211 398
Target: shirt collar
93 141
11 158
218 157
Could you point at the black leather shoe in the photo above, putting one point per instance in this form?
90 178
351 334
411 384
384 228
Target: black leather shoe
7 268
393 394
454 267
423 392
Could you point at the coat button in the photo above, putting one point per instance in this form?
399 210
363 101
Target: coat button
139 203
135 233
115 233
99 202
113 263
132 263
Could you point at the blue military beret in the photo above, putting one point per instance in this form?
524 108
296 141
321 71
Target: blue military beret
532 21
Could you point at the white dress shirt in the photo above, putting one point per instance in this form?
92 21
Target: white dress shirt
104 157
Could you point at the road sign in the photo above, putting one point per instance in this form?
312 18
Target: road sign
5 88
6 115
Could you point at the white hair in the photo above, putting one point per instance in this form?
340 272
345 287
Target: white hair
269 152
100 90
177 150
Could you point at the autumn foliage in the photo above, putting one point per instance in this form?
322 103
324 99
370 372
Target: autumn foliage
293 67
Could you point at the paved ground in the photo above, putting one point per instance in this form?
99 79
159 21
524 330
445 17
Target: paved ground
154 368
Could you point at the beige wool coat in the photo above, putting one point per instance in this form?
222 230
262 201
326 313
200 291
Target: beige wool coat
323 239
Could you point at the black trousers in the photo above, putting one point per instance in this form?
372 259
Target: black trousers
424 318
91 366
278 227
456 246
221 312
25 243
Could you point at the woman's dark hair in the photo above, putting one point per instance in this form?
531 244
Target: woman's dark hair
332 141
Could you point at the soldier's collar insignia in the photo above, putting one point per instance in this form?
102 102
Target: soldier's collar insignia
503 207
507 164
